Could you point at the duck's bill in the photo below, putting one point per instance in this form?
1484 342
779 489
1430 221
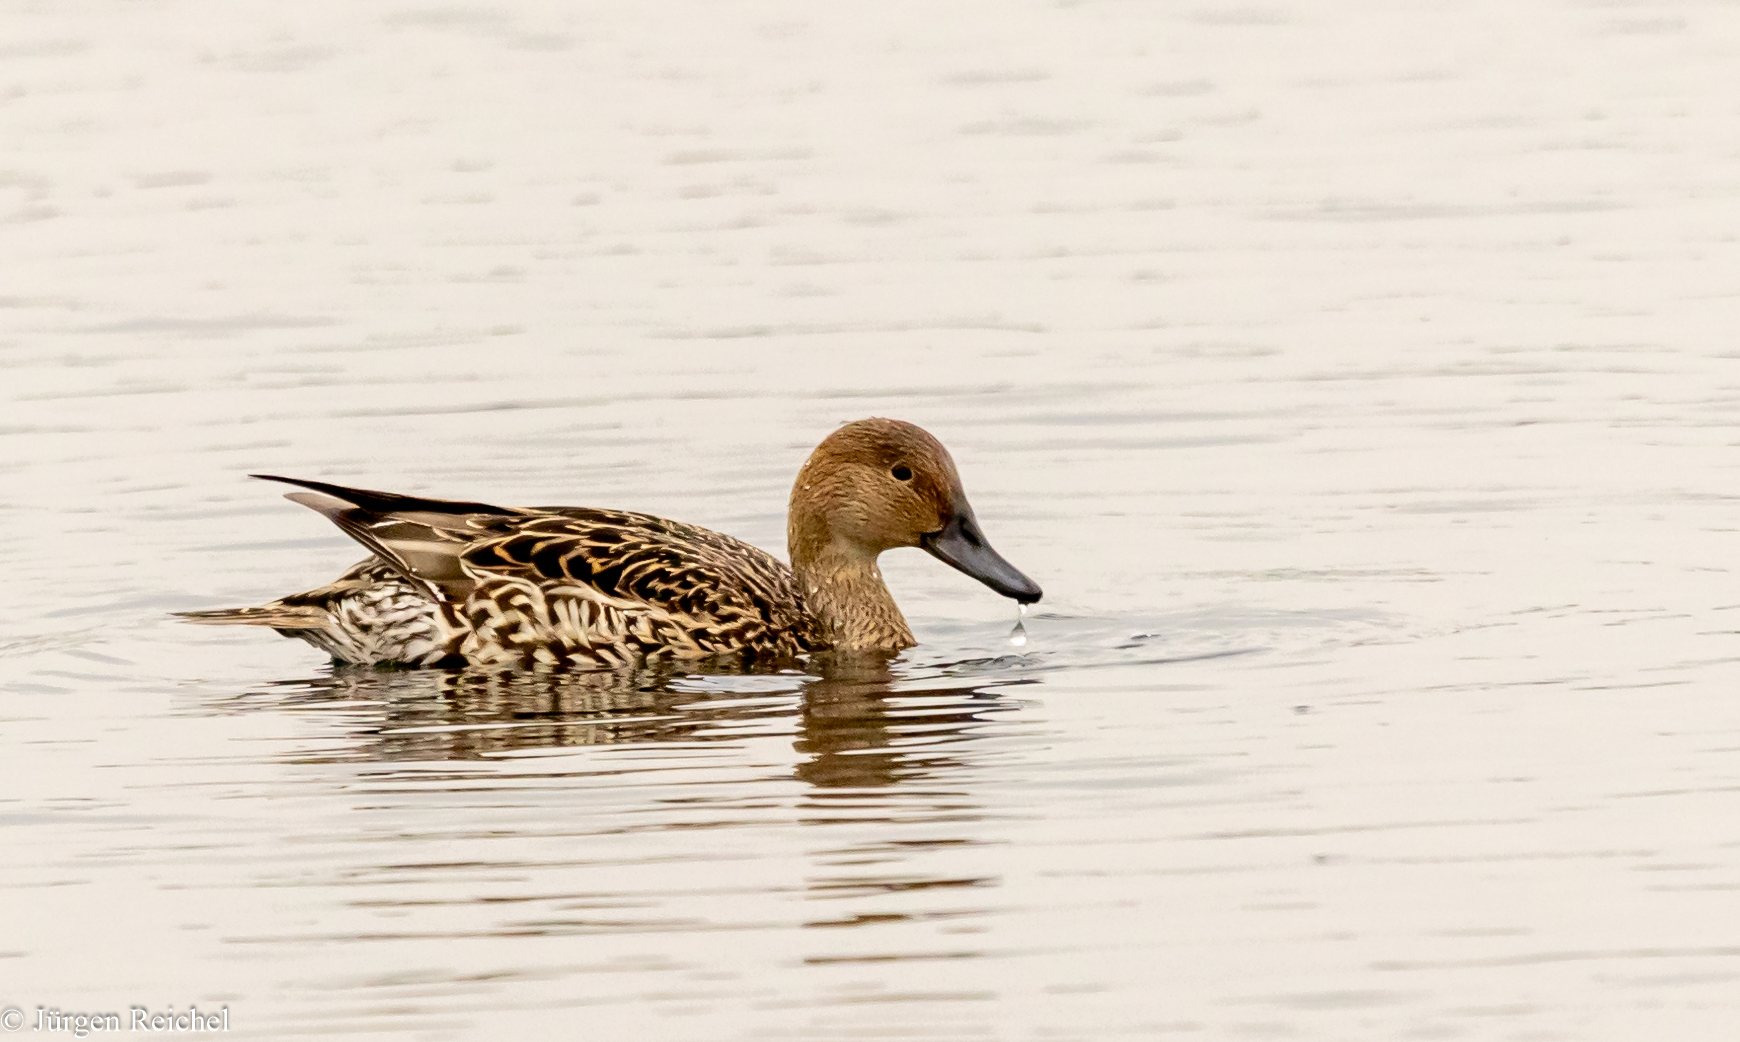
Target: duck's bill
962 545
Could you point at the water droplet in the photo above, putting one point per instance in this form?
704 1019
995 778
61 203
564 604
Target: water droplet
1018 635
1022 608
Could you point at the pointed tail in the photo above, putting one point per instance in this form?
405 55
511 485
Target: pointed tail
277 616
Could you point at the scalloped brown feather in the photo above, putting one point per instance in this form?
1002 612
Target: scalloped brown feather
615 587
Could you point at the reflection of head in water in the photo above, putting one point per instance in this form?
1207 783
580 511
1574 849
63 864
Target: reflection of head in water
858 708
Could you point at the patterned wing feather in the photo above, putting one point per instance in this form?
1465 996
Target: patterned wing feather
603 583
421 539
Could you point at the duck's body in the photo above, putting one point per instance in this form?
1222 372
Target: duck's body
465 583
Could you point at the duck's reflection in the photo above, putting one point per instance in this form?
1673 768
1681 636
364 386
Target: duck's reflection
887 758
860 726
858 722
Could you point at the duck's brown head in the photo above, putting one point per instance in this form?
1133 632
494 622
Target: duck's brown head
877 484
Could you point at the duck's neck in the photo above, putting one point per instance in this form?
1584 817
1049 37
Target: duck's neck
844 590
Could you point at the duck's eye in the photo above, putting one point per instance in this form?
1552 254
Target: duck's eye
901 472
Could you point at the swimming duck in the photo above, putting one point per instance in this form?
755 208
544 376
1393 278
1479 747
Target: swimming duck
454 583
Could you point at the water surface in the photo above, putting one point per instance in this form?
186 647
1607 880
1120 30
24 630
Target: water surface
1358 381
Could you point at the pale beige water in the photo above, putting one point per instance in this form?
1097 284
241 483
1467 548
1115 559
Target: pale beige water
1359 379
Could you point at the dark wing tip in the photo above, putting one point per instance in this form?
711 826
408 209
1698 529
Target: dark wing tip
349 495
389 502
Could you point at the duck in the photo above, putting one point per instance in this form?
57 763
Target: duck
453 584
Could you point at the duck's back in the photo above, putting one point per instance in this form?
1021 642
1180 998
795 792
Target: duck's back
608 586
470 583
